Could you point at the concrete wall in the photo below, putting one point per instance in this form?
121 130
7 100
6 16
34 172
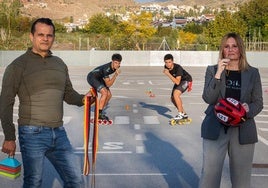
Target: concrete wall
139 58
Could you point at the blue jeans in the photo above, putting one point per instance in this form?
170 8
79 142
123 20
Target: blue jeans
38 142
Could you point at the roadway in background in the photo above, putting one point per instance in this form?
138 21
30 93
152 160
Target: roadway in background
141 150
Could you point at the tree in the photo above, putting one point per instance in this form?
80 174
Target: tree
193 28
143 28
23 25
134 33
125 36
100 24
9 17
9 12
59 28
224 22
255 14
186 38
163 31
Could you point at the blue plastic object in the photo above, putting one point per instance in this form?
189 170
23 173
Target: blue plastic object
10 162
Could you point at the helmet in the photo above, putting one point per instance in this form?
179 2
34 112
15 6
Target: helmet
230 112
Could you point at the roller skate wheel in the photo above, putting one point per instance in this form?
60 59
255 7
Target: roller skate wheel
172 122
110 122
105 122
100 122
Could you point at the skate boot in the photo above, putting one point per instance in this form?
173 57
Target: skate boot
103 117
185 116
180 119
104 120
180 116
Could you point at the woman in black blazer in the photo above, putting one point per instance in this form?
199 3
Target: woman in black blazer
231 77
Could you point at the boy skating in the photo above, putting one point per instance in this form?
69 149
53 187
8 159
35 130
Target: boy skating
182 81
100 80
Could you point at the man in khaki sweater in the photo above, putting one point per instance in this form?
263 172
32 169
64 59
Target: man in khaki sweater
41 82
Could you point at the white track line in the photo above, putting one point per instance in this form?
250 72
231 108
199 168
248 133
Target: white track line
259 175
263 140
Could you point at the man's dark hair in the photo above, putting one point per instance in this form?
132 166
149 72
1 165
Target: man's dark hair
117 57
168 56
47 21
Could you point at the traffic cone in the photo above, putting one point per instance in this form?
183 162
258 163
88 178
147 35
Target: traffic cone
10 168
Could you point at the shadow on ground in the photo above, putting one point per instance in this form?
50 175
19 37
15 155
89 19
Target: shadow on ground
161 110
170 161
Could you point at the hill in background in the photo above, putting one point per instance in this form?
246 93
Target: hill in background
207 3
84 9
78 9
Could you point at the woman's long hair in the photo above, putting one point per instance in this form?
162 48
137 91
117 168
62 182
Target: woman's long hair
243 63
